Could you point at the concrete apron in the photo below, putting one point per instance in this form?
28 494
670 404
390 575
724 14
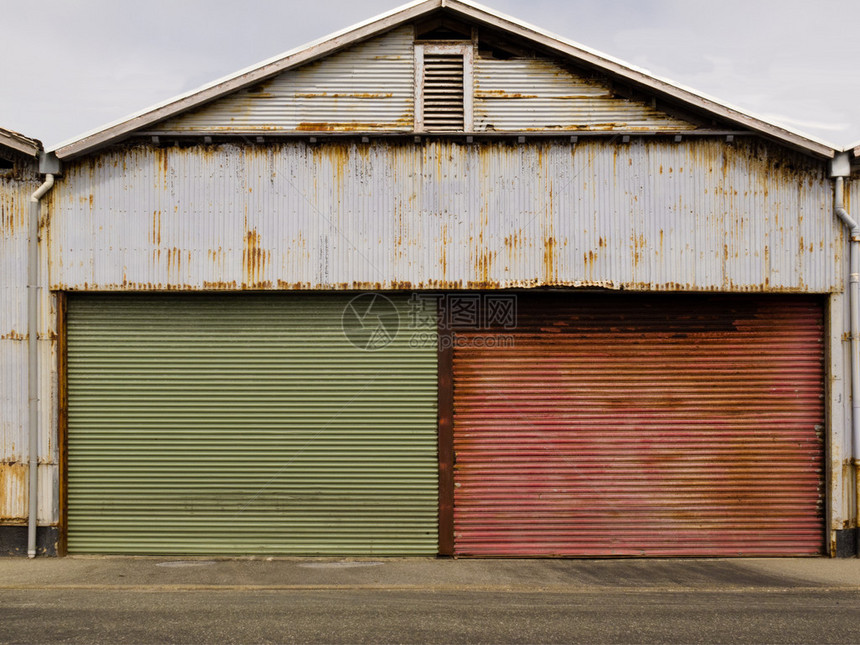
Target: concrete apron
543 575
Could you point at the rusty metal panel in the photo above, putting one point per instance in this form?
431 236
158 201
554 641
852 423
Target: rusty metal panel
14 493
838 393
14 203
13 405
843 484
366 87
541 94
14 200
13 486
651 214
652 425
250 423
16 187
15 193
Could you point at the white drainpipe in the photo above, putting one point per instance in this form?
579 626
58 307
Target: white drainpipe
840 169
33 359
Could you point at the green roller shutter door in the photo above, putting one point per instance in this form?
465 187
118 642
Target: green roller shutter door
249 424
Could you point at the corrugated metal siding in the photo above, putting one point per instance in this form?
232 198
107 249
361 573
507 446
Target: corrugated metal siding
660 426
369 87
14 484
541 94
840 507
366 87
246 424
15 191
648 215
14 204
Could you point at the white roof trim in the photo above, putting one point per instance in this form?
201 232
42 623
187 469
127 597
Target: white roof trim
363 30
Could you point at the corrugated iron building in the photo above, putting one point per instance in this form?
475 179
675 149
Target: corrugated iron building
441 283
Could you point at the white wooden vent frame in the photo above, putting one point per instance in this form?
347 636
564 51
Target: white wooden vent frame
428 50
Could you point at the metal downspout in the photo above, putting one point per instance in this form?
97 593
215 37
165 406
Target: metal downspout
841 169
33 359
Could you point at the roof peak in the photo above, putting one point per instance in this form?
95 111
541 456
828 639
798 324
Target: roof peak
469 10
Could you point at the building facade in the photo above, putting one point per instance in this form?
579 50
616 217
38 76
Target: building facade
440 284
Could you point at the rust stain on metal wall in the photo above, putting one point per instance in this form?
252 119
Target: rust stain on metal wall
311 126
14 203
344 95
430 285
155 234
549 258
165 165
255 259
502 94
638 243
174 262
443 256
11 217
13 491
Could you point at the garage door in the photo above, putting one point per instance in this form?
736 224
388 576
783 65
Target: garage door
676 426
248 424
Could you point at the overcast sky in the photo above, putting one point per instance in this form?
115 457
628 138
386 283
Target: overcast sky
69 66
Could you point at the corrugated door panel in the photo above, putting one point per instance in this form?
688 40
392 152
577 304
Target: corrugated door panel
242 424
659 426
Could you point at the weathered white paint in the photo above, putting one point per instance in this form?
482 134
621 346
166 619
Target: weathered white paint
367 87
698 215
519 94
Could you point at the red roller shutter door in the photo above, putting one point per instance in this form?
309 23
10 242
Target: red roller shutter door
656 426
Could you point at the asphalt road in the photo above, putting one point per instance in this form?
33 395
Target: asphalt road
428 600
397 616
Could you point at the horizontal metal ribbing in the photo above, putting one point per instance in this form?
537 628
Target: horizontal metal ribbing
246 424
653 425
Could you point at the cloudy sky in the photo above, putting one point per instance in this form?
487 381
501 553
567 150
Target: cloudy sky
73 65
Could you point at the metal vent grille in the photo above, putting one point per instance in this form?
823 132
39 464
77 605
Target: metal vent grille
443 97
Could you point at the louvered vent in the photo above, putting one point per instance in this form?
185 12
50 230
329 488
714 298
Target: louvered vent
443 92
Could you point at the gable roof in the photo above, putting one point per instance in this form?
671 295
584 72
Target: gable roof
465 9
19 143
